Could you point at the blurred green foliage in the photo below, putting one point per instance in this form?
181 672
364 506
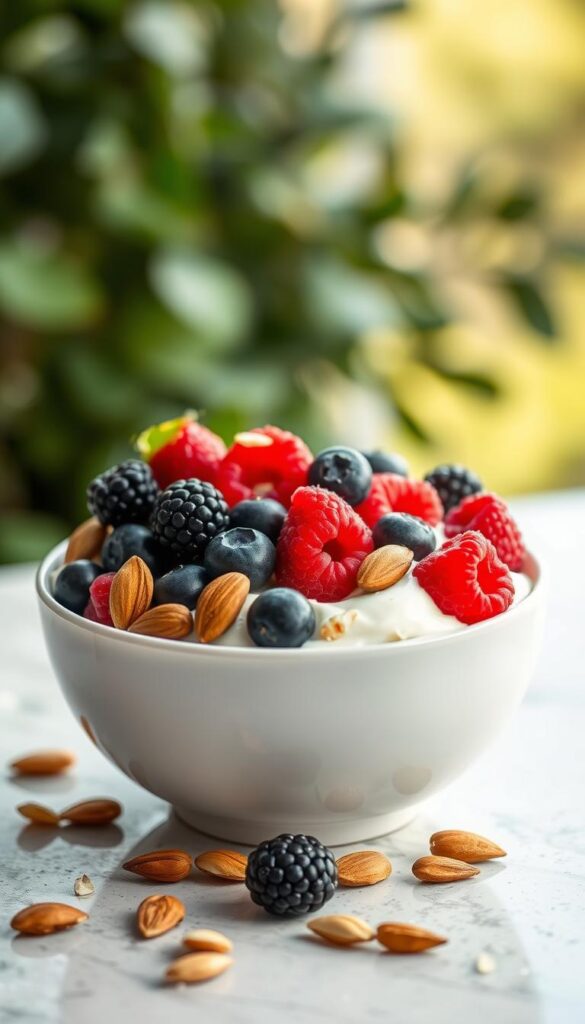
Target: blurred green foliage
167 244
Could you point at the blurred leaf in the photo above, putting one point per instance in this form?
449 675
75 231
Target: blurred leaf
347 301
46 290
518 206
378 8
208 295
170 33
27 536
481 384
532 306
22 126
101 390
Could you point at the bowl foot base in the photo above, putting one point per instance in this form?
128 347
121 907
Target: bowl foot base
330 832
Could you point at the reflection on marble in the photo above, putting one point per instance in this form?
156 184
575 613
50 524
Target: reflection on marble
526 911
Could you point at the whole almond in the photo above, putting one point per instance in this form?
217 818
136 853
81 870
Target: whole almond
161 865
171 621
407 938
92 812
206 939
195 967
227 864
46 918
365 867
383 567
219 604
158 914
341 929
131 592
86 541
465 846
442 869
38 814
44 762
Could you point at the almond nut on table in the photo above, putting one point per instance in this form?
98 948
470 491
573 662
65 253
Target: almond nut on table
407 938
38 814
44 762
364 867
194 967
92 812
341 929
46 918
465 846
161 865
227 864
207 940
158 914
442 869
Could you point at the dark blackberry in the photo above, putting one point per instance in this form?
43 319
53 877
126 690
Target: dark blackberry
291 875
123 494
186 516
453 483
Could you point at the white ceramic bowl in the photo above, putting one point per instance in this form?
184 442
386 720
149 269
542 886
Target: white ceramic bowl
247 743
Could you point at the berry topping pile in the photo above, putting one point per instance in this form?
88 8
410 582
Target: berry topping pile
322 545
196 539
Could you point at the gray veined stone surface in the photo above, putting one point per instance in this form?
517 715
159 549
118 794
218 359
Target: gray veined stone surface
526 911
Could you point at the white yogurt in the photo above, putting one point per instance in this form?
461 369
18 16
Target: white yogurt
399 613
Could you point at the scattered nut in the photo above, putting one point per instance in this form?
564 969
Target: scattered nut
365 867
227 864
341 929
465 846
207 940
195 967
407 938
161 865
83 886
38 814
442 869
484 963
44 762
158 914
46 918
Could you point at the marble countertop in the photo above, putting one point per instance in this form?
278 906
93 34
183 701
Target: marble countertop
527 911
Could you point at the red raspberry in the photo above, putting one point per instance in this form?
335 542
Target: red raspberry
321 546
392 493
490 515
180 449
273 469
99 598
90 613
465 578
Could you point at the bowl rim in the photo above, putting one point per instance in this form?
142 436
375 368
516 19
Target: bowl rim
532 568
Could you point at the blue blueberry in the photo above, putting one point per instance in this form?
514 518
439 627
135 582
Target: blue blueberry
281 618
241 550
71 587
263 514
182 585
342 470
409 531
133 539
387 462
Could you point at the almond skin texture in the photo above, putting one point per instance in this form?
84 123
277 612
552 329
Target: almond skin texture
384 567
219 604
161 865
92 812
170 621
86 541
465 846
44 762
407 938
442 869
158 914
227 864
365 867
131 592
207 940
341 929
46 918
38 814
